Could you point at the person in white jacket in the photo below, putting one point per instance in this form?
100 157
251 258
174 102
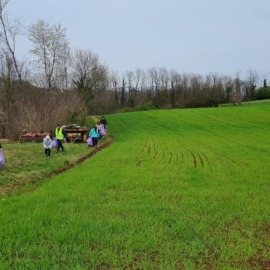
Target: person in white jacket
99 127
47 143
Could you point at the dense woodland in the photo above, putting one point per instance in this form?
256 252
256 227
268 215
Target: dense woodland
59 85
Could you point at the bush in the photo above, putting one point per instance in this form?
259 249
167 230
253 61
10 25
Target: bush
146 106
263 93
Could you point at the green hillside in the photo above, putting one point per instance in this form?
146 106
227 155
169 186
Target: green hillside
178 189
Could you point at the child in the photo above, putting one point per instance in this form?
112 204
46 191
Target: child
47 143
103 121
99 127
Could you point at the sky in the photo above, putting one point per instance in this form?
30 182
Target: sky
188 36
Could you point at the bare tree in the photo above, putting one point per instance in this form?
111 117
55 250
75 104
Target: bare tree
9 31
123 94
132 90
164 78
3 123
89 76
114 87
176 88
139 80
251 83
213 90
50 49
236 96
236 89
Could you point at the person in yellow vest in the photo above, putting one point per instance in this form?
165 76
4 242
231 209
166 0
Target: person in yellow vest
59 134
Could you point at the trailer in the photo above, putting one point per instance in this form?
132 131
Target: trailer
75 133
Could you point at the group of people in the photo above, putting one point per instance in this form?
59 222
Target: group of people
48 143
95 134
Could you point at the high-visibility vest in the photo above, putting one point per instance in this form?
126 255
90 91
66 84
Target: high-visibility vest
59 134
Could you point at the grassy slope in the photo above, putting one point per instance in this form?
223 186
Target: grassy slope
27 162
177 189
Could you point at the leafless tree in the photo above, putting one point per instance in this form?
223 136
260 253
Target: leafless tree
236 94
164 78
227 88
123 94
133 80
114 87
139 82
251 84
213 89
9 31
89 76
50 50
152 83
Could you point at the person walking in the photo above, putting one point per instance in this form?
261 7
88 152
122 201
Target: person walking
93 133
99 127
59 134
47 143
103 121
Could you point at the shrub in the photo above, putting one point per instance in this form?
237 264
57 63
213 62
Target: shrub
263 93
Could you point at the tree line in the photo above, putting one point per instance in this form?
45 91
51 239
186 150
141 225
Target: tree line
60 85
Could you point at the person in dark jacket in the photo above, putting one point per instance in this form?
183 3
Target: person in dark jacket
103 121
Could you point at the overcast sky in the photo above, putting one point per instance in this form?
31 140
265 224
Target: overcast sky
192 36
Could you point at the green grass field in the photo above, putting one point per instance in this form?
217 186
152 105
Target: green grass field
178 189
27 162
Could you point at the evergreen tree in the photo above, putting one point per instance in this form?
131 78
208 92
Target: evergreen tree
123 94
